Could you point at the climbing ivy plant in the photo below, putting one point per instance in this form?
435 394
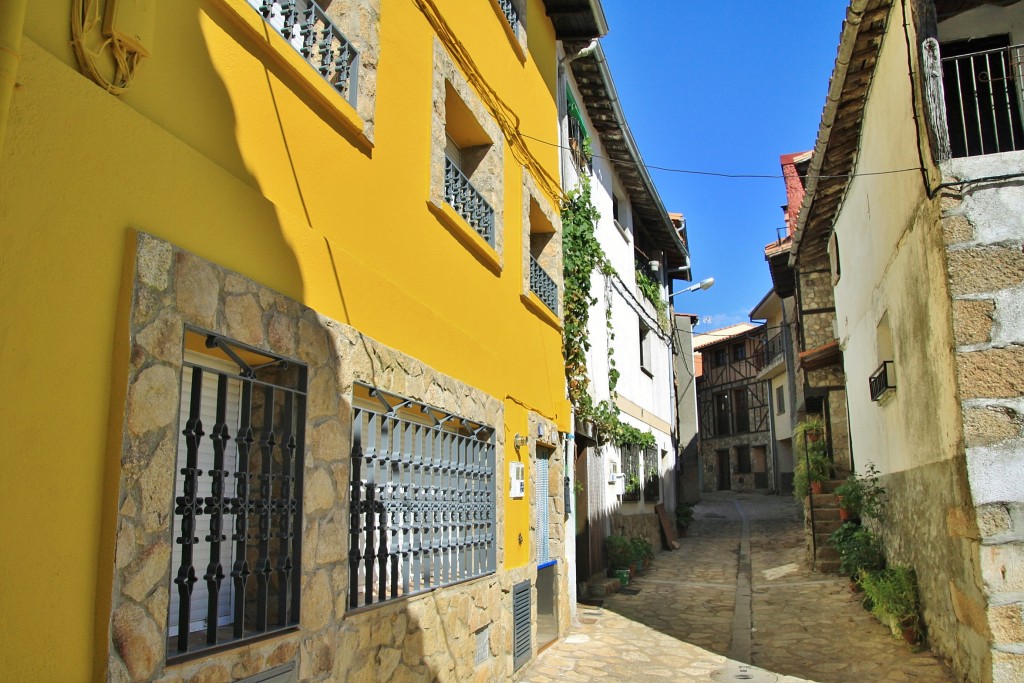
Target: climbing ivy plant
652 292
582 255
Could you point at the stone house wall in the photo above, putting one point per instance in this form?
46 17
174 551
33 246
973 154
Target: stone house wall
645 525
430 636
983 227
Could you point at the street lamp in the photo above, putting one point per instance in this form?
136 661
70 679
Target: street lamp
703 284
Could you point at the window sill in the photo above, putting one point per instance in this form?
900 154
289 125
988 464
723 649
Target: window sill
541 310
469 237
302 75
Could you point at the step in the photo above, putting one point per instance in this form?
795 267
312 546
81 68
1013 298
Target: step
825 552
826 526
825 515
827 566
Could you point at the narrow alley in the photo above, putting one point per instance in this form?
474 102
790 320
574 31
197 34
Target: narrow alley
736 602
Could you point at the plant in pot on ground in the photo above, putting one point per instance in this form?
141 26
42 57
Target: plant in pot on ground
811 462
859 550
620 556
891 595
684 517
642 550
861 496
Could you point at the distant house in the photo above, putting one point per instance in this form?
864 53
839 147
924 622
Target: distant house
733 410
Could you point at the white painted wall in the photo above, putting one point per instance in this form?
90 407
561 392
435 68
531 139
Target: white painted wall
985 20
892 262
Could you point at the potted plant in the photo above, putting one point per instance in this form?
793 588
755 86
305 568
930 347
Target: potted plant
812 466
859 550
892 595
861 496
684 517
620 557
642 551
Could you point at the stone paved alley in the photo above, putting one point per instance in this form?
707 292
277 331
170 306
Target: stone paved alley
737 593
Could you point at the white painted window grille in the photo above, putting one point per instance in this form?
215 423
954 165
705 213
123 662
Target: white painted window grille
422 510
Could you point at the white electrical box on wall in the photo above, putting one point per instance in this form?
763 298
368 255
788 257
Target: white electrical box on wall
132 23
517 479
613 472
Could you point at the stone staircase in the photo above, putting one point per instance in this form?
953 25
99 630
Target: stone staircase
822 556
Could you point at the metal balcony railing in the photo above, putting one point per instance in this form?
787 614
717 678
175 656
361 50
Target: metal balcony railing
882 381
983 101
309 30
543 286
467 202
510 11
770 351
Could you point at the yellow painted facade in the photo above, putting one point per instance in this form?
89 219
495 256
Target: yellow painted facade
229 146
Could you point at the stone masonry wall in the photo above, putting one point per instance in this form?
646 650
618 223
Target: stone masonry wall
983 226
645 525
432 636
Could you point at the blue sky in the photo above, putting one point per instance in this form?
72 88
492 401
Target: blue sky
723 86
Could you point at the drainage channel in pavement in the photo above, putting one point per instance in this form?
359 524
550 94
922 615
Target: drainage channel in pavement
735 671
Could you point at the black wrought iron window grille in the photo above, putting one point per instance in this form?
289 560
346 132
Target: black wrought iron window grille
307 28
422 508
237 523
543 286
467 201
631 475
652 482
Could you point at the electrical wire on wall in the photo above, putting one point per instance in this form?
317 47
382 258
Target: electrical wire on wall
86 21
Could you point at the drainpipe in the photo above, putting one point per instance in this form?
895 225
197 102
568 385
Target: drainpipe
12 24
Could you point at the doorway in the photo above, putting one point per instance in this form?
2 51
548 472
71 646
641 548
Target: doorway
724 470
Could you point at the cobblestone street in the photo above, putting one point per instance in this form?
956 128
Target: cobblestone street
736 602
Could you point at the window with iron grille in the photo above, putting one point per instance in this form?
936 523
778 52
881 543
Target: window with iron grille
238 504
422 509
652 481
307 28
579 140
631 472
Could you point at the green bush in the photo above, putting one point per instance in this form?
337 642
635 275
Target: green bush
892 596
620 551
859 549
862 496
642 550
684 515
811 461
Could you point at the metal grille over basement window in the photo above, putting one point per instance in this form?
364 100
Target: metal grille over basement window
309 30
631 472
238 501
422 507
652 482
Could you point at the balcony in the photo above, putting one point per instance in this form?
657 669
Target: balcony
508 8
883 382
467 202
543 286
982 97
768 361
305 26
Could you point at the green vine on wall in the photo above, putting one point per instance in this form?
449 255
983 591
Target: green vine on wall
582 255
652 292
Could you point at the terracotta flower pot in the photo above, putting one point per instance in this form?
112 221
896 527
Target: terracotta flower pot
816 487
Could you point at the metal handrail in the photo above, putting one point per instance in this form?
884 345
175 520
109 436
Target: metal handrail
467 201
510 12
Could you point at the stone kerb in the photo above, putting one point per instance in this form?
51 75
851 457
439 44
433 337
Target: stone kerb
427 636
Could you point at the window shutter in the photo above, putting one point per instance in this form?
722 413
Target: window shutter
521 609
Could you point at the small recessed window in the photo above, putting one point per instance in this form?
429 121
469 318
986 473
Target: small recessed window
739 351
780 400
833 257
645 349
